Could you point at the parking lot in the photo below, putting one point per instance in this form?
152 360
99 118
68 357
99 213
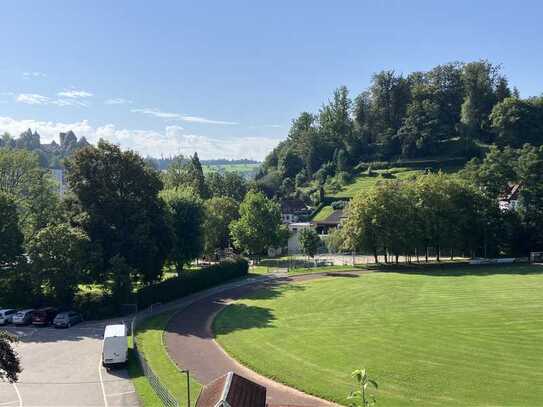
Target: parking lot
62 367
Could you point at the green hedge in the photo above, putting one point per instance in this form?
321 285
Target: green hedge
192 281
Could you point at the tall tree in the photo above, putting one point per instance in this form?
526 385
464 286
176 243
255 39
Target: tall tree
479 84
186 215
11 237
123 216
259 225
220 213
31 187
309 242
58 255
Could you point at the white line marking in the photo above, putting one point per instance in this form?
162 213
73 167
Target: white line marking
9 402
102 382
121 394
18 395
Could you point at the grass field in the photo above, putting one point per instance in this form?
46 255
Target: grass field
468 336
242 169
149 338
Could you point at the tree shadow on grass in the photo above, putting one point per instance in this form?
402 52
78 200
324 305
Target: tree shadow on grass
458 269
237 317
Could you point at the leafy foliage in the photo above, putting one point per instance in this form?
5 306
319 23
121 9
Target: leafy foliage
192 281
11 237
259 225
309 242
118 194
360 397
186 216
58 257
10 365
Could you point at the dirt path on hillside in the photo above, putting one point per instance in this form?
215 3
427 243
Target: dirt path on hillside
190 343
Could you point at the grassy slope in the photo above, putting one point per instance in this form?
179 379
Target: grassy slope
429 340
149 337
323 213
364 183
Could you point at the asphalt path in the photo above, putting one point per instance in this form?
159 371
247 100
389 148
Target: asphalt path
62 367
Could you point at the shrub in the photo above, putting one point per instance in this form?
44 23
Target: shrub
338 205
190 282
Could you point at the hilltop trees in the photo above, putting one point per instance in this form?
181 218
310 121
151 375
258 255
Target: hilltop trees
453 110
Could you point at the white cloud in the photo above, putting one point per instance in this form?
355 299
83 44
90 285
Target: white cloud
117 101
196 119
35 99
176 116
28 75
172 140
157 113
32 99
74 94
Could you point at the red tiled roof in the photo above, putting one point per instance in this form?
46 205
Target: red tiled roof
234 390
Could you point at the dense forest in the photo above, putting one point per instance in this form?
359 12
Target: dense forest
456 110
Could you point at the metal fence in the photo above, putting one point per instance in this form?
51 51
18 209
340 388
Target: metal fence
162 392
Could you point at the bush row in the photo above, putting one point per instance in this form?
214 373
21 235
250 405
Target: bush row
191 281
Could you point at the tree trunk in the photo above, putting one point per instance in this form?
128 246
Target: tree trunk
452 254
386 256
375 256
437 253
417 254
397 258
426 253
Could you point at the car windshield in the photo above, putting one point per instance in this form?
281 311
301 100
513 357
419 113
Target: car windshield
20 314
61 316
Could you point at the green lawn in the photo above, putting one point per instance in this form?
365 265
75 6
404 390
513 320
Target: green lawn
364 183
468 336
149 337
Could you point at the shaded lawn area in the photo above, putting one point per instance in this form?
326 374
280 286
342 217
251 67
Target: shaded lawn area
149 336
430 337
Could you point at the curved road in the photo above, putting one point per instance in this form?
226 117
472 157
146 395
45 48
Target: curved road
190 342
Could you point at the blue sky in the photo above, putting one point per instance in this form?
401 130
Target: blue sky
225 78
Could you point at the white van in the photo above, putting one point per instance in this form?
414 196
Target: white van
115 347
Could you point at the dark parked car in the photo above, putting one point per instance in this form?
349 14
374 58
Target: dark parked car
43 316
66 319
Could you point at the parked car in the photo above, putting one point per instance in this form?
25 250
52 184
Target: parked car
43 316
6 316
23 317
66 319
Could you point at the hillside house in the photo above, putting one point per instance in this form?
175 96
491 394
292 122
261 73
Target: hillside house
292 210
333 221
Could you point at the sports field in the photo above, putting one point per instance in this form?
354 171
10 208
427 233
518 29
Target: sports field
469 336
